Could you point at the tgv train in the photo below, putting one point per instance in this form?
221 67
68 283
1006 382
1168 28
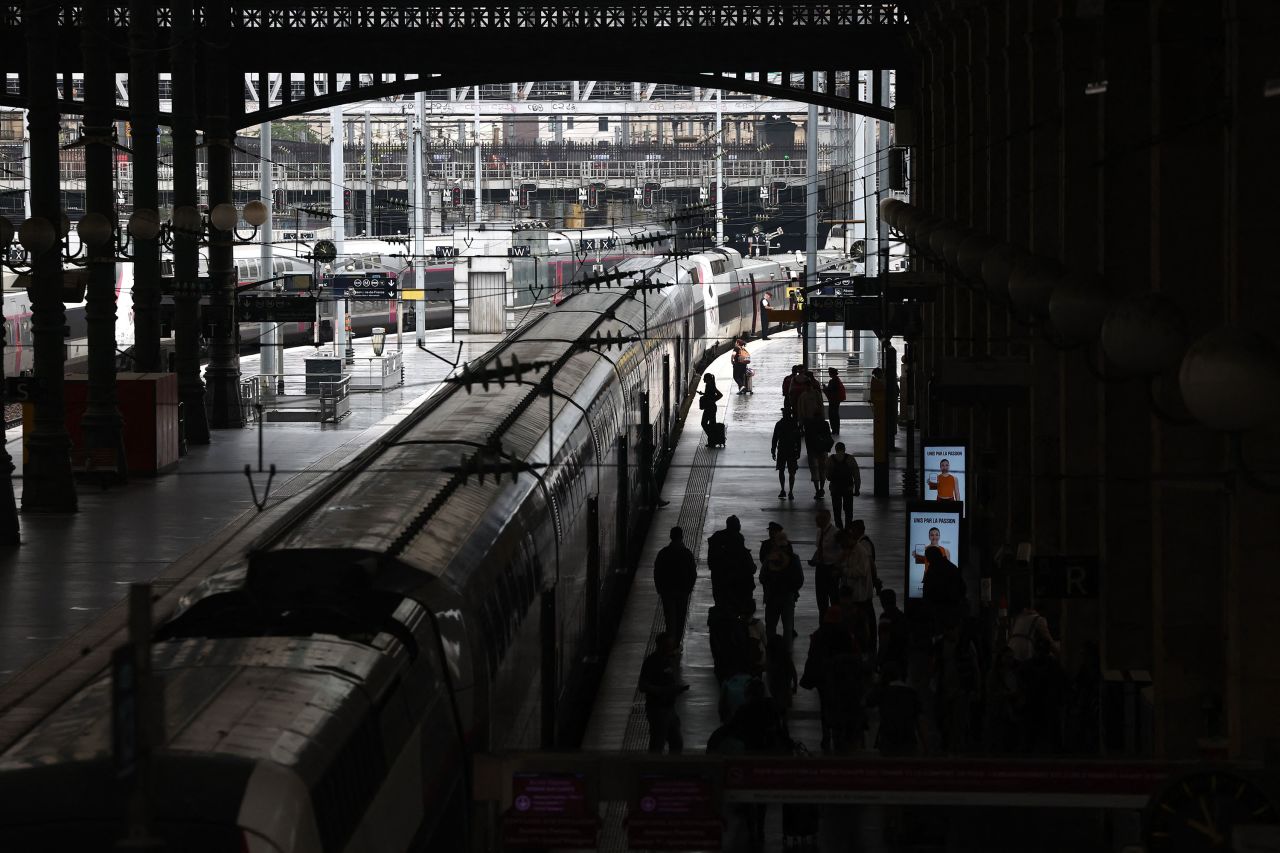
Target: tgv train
570 255
325 690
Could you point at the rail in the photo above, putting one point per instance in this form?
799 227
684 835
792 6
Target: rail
335 399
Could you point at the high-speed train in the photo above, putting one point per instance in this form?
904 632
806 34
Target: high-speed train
571 255
434 598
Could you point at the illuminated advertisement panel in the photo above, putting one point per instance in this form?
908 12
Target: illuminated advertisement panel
944 470
936 523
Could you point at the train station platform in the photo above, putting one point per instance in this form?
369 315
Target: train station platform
73 570
703 487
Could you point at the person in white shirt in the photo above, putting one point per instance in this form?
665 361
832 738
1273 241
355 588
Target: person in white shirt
826 561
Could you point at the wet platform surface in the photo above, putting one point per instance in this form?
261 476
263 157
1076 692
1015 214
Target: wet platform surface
703 487
72 569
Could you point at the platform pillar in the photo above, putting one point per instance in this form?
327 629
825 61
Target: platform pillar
144 116
104 457
48 484
223 374
186 295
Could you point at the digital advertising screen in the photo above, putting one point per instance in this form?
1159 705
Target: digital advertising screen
944 470
931 523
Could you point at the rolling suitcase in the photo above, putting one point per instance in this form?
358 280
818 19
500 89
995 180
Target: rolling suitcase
715 434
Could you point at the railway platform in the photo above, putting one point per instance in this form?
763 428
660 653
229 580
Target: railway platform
703 487
63 592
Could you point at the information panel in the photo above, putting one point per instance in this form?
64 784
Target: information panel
944 465
936 523
369 284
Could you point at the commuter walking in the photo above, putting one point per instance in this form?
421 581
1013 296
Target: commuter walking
660 685
835 393
732 569
833 668
780 578
817 442
1027 626
710 396
893 632
674 574
863 581
739 360
902 731
785 451
944 590
826 561
846 483
791 384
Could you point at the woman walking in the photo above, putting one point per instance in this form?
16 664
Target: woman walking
741 361
710 395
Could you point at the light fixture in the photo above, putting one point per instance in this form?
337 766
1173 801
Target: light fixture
256 213
37 235
970 252
1146 335
951 242
94 229
997 264
1230 379
1032 282
224 216
187 221
1078 306
144 224
379 340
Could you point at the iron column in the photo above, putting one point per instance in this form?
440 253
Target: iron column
223 374
186 287
271 359
144 115
48 485
101 424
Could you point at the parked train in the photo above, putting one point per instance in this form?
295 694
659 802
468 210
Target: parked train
326 689
567 256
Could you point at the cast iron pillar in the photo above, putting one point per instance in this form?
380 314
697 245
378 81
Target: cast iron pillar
223 374
10 534
48 485
186 288
144 115
102 426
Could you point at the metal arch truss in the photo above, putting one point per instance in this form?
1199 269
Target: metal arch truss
353 52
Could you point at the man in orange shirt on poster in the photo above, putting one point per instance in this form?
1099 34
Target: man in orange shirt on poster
945 483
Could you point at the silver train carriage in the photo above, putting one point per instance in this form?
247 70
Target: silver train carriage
325 690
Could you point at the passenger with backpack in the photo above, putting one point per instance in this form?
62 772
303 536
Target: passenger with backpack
835 396
833 667
781 579
846 483
732 569
818 442
785 451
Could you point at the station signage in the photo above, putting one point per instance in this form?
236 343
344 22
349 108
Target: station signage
364 285
674 811
550 810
